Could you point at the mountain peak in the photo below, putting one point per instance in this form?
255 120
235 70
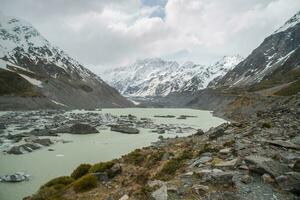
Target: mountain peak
156 77
27 54
290 23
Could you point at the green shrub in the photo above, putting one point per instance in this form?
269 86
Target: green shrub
186 154
44 193
266 125
144 193
154 158
169 169
135 157
101 167
59 182
291 89
80 171
85 183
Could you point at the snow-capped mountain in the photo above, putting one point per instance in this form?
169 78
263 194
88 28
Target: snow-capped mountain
51 72
157 77
275 59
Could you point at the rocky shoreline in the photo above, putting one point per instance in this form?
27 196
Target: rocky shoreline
257 157
25 132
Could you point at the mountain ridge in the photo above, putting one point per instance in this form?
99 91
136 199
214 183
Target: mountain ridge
157 77
51 71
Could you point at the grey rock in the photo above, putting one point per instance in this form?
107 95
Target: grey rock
82 129
281 143
217 133
42 132
262 165
14 178
296 140
246 179
199 132
101 176
267 178
201 160
115 170
124 129
223 196
290 182
44 141
161 193
296 166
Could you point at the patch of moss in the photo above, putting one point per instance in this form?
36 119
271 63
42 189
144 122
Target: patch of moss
80 171
154 158
45 193
170 168
291 89
266 125
144 193
135 157
59 182
206 147
101 167
276 78
85 183
229 143
216 161
142 178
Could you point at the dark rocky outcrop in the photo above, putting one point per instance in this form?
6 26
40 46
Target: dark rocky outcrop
82 129
124 129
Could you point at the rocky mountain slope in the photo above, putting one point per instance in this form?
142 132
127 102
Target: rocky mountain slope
33 68
275 61
255 158
156 77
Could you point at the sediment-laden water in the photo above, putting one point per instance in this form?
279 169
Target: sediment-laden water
43 165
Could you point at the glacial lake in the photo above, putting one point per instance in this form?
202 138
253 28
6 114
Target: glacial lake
43 165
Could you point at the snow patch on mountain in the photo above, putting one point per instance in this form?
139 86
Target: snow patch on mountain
19 39
290 23
32 80
157 77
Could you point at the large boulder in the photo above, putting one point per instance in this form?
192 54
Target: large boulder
216 176
124 129
23 148
217 133
262 165
14 178
161 193
44 141
82 129
290 182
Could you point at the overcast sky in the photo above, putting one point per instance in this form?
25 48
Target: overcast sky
112 33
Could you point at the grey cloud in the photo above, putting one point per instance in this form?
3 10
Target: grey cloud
110 33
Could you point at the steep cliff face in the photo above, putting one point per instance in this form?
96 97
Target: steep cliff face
52 73
275 60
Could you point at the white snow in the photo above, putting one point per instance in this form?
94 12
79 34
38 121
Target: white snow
32 80
57 103
290 23
17 33
2 64
156 77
